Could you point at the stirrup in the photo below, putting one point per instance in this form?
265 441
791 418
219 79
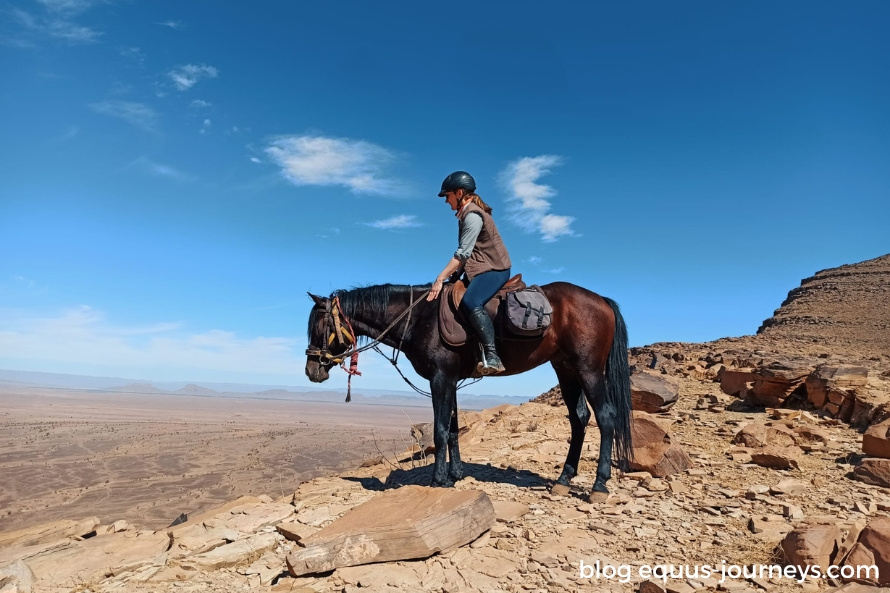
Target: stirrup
485 369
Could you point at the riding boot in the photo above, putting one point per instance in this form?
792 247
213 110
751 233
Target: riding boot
491 362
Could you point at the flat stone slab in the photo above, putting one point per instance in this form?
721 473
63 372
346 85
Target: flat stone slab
408 523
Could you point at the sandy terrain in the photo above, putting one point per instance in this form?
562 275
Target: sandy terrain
148 458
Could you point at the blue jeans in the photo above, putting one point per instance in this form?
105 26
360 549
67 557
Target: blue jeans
482 287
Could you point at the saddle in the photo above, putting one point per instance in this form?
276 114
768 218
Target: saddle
451 320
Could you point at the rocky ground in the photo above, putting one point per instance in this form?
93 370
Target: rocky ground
747 485
705 515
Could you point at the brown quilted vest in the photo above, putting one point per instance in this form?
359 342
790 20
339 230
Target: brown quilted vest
489 252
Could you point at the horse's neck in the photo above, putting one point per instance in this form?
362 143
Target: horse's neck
372 324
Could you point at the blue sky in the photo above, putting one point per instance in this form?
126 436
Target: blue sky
176 175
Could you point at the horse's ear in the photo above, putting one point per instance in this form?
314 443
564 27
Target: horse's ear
317 299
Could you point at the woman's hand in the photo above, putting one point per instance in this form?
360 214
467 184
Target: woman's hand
435 290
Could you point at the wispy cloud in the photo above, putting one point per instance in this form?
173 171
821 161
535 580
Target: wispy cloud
138 114
188 75
151 167
331 232
402 221
316 160
83 336
55 21
175 25
538 263
200 104
70 7
133 53
530 200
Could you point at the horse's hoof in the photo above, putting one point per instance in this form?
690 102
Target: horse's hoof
442 484
559 490
597 496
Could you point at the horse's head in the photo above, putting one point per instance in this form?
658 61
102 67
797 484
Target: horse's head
329 344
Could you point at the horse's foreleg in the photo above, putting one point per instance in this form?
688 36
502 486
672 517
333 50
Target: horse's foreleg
456 467
444 393
579 416
595 390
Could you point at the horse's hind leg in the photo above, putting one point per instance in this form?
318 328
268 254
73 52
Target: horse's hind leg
594 385
579 416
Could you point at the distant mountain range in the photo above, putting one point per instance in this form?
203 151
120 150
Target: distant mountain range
12 378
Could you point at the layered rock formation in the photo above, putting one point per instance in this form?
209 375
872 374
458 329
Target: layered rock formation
844 309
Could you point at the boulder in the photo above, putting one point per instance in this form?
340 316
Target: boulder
876 440
811 434
67 564
827 379
778 379
778 457
737 382
653 392
811 543
16 578
761 435
411 522
49 532
423 437
653 449
240 552
873 470
875 539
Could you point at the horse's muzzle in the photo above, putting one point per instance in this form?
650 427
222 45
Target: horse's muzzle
316 371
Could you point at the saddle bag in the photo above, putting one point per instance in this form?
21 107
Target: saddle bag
528 312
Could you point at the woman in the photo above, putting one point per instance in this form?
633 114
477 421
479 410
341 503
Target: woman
482 256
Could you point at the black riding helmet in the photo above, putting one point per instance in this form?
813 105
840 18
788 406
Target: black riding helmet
458 180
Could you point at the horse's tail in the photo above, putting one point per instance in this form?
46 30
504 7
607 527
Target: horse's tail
618 388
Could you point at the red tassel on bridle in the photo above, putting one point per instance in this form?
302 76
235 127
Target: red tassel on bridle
353 358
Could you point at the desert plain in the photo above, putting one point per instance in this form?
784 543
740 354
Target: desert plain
151 457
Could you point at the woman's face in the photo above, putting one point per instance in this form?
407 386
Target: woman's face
452 198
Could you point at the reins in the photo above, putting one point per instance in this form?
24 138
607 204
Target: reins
352 351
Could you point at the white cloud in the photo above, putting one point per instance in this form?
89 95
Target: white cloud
538 263
554 226
137 114
199 104
172 24
69 7
188 75
159 169
402 221
55 23
133 53
316 160
530 200
253 159
82 336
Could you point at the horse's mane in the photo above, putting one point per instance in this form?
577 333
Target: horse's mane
374 299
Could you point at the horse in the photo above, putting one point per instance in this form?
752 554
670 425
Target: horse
586 344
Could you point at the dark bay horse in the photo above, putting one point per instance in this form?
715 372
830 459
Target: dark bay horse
586 344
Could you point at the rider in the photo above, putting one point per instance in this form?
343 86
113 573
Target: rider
482 256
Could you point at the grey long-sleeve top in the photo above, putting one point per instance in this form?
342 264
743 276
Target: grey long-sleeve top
470 228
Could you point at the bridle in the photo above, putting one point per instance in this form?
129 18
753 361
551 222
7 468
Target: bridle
338 329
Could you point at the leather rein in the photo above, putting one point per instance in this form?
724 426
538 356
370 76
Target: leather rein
338 329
